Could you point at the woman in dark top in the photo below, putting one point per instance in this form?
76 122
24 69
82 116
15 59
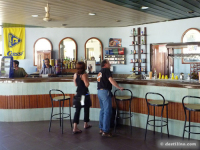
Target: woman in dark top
82 83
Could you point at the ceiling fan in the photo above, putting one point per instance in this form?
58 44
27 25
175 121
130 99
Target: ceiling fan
47 15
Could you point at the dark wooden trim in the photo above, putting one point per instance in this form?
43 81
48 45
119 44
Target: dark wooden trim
101 47
75 44
34 48
187 31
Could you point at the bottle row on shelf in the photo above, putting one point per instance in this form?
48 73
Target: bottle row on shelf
138 60
134 33
139 43
136 52
138 69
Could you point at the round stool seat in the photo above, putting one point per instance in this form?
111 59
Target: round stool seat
60 98
157 102
193 107
122 98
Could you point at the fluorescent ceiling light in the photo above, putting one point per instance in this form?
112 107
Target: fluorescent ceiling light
64 24
190 12
92 14
34 15
144 7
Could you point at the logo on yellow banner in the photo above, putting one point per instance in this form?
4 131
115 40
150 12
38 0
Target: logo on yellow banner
13 40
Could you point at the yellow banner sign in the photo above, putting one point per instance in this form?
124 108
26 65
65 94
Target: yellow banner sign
14 42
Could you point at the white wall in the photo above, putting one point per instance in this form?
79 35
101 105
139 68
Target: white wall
157 33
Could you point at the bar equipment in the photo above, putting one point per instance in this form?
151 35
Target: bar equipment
181 76
7 70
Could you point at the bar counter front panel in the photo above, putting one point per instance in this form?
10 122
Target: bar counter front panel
28 100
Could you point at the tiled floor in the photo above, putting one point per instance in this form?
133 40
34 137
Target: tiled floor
35 136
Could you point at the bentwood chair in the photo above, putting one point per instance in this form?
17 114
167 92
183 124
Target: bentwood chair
158 103
190 107
61 100
123 99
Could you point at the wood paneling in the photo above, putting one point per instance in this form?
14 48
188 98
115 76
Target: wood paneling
11 102
138 105
3 102
159 60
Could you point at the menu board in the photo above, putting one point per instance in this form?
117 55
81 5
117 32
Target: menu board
115 55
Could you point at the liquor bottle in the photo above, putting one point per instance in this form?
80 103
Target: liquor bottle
135 32
155 73
131 32
81 58
72 63
69 65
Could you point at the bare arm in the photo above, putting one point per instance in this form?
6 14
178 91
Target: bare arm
75 76
113 82
85 80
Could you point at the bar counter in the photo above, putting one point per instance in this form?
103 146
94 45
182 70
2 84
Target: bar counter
190 84
27 99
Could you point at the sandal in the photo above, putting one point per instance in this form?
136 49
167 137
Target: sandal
88 126
107 134
101 131
76 132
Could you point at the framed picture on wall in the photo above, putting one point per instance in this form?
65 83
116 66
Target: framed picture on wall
115 42
91 66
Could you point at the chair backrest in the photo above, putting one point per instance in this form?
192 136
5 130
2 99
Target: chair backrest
188 97
55 91
124 90
154 94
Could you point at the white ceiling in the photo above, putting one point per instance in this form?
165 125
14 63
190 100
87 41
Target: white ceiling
74 13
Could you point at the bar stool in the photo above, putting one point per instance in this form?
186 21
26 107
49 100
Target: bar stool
190 107
60 99
158 103
123 98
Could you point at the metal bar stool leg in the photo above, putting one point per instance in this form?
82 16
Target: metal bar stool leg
70 114
60 112
185 122
189 126
154 120
130 115
62 115
51 118
116 116
167 121
162 120
147 122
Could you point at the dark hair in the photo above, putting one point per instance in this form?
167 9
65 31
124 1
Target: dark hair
46 59
16 62
111 39
80 66
105 61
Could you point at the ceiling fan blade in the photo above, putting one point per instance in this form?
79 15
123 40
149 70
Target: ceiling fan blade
47 8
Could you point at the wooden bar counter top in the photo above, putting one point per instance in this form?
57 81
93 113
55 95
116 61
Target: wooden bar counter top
194 84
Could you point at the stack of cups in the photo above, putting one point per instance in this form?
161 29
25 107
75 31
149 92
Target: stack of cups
199 76
150 75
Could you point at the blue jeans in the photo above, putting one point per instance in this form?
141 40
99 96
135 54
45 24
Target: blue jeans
106 109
